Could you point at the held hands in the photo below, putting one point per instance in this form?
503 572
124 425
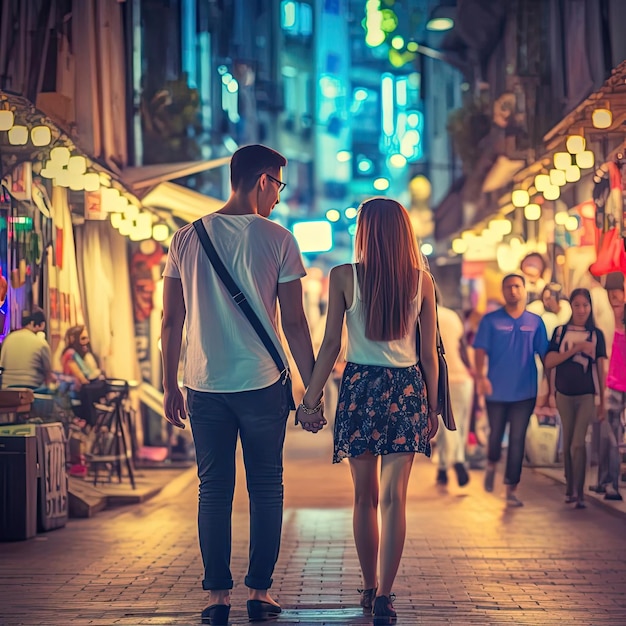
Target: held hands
311 421
174 407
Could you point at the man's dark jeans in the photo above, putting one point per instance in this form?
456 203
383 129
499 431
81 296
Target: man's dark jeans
259 418
517 414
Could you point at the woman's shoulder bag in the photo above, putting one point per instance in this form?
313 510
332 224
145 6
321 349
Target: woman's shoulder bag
444 403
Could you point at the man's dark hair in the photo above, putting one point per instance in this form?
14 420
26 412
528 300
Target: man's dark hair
508 276
249 162
38 318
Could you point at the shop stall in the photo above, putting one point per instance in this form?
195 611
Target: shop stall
559 220
60 253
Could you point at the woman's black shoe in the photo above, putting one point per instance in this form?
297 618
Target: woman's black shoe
216 614
260 611
367 599
383 610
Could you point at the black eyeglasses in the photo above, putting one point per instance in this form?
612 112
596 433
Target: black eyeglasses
280 183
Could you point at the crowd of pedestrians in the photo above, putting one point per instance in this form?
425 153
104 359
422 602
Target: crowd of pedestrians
225 277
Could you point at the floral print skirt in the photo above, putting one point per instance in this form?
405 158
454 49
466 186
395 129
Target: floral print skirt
381 409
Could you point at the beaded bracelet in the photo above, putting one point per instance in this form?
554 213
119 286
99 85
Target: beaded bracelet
308 411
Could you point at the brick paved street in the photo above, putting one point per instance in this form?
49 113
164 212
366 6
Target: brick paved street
467 559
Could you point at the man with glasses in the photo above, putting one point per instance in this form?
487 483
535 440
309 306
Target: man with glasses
280 183
234 388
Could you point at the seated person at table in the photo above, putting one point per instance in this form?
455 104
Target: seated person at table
79 362
26 356
77 359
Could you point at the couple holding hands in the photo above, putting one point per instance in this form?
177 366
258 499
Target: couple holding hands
225 297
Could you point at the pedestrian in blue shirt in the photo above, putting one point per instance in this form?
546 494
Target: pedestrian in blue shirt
509 338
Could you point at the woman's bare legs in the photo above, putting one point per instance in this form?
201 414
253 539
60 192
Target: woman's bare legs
364 470
395 472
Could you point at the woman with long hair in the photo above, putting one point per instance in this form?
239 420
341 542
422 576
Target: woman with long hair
77 359
577 352
386 407
80 363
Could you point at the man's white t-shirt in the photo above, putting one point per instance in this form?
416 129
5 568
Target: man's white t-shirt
451 329
223 353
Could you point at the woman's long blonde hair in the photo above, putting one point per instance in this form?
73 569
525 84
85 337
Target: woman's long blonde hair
386 249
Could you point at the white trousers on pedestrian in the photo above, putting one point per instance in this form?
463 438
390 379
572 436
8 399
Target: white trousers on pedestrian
451 443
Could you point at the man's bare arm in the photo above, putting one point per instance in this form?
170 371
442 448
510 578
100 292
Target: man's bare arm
171 340
483 385
296 327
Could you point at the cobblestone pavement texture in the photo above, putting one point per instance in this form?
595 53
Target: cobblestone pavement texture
467 560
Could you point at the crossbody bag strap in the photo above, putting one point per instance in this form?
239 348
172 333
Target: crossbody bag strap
558 336
239 297
594 364
419 291
418 331
418 337
438 340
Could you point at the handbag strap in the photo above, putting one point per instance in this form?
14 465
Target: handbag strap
418 337
419 292
239 297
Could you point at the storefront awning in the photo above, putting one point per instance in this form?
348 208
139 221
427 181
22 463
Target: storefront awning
160 193
473 199
501 173
491 193
612 93
27 115
181 201
151 175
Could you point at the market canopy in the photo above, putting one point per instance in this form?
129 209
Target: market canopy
151 175
181 201
612 93
487 190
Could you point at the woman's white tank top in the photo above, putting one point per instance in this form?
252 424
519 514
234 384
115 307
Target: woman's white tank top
363 351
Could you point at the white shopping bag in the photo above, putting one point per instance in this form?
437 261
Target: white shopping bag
542 441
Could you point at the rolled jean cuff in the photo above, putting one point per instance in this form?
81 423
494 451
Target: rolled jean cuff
217 584
258 583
